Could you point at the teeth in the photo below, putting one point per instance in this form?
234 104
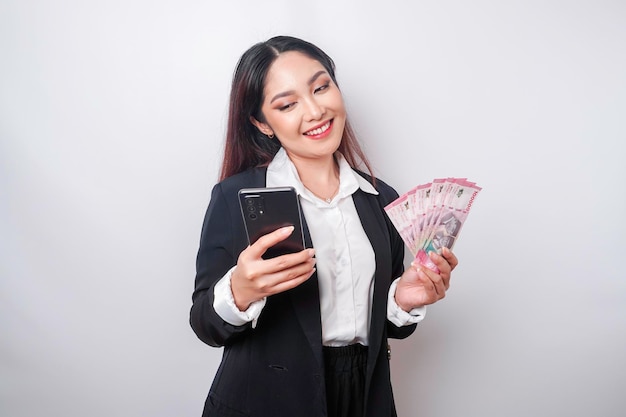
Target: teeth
319 130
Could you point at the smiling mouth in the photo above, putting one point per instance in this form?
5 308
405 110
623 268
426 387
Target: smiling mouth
319 130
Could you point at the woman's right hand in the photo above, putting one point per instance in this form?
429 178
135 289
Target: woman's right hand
254 277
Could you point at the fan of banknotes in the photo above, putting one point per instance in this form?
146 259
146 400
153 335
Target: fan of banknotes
430 216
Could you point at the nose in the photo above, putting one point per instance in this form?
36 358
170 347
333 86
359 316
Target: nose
314 109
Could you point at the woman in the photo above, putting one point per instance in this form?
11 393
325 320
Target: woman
304 334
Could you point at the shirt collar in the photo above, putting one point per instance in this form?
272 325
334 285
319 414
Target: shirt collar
282 172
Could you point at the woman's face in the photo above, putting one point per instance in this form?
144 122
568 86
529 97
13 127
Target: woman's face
302 107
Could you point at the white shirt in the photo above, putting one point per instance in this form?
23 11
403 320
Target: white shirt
345 260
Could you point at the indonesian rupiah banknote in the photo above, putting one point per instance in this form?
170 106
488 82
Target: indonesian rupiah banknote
430 216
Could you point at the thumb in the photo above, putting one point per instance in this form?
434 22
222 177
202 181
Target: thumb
411 274
265 242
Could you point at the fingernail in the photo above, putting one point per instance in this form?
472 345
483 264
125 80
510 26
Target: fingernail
311 252
287 230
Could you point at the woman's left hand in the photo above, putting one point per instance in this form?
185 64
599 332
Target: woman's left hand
419 286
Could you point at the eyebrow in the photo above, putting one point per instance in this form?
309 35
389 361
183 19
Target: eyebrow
287 93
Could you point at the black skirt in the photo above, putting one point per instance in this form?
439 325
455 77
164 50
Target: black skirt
345 380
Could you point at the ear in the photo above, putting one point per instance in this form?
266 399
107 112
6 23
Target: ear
263 127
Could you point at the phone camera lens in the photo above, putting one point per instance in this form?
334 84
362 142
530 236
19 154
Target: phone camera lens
251 208
252 216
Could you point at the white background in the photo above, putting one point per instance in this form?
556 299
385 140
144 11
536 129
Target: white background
112 116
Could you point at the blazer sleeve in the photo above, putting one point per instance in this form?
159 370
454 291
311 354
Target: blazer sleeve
221 241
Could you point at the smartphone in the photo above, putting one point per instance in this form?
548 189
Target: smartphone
265 210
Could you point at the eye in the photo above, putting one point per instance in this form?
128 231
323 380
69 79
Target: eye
322 88
287 106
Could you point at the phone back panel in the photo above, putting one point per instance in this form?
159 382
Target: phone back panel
265 210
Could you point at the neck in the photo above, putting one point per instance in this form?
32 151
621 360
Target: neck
317 170
320 176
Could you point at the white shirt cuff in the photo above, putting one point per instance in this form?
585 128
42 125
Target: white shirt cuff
224 304
398 316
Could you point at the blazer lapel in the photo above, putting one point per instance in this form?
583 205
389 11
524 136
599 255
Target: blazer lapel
373 222
306 303
305 297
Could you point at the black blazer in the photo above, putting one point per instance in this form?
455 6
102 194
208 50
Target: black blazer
276 369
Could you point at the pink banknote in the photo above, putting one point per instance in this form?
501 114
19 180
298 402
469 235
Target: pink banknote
430 216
